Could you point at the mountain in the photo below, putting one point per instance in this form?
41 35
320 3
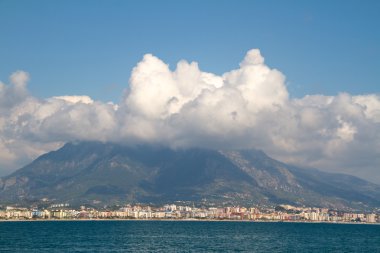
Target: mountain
106 173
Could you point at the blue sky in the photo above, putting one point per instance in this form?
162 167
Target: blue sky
90 47
329 50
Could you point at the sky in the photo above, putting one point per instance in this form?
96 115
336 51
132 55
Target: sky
298 79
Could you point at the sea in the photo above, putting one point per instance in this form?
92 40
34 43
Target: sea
186 236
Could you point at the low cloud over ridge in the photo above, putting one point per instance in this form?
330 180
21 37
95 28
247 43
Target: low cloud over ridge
244 108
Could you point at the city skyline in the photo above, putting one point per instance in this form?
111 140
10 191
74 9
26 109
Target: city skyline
279 213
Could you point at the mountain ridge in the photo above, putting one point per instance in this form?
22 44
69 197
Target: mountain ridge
108 173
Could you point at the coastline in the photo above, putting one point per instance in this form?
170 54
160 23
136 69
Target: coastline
187 220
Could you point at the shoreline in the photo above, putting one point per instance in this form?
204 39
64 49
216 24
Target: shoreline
191 220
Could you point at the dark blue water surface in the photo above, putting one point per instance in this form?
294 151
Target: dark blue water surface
186 236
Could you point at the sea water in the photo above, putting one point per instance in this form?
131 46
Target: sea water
186 236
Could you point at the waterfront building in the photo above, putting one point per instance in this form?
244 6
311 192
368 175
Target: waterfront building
58 214
370 218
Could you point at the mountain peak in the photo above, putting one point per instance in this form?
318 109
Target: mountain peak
96 172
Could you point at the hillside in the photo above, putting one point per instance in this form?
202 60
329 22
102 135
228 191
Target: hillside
98 173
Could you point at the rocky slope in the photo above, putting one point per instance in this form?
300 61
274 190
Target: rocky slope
98 173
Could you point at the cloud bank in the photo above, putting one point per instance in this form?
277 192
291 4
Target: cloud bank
248 107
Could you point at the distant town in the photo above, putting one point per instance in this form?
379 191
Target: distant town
285 213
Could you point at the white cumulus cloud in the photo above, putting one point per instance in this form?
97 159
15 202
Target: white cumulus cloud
248 107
